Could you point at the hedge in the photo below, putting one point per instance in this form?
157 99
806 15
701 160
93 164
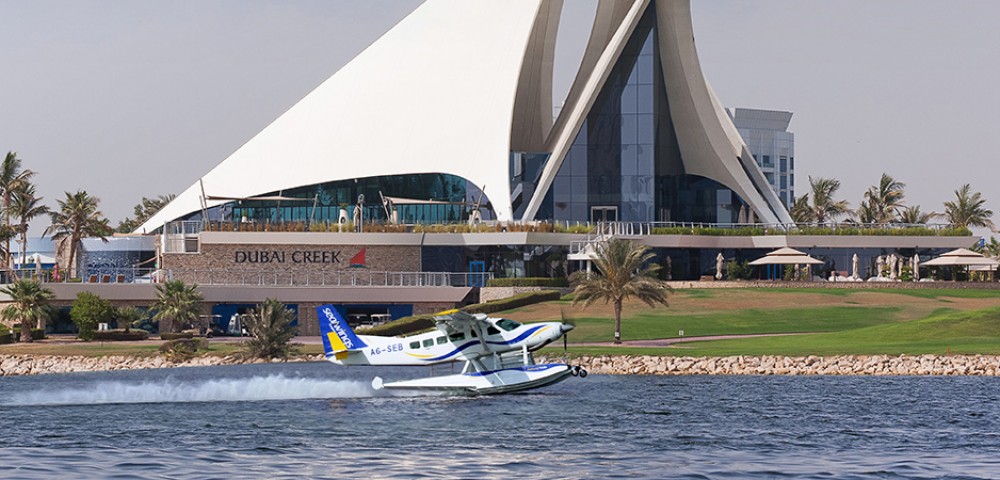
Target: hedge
422 323
176 336
121 335
6 338
528 282
516 301
400 327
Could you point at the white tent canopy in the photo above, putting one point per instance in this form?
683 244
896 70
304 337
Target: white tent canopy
962 256
786 256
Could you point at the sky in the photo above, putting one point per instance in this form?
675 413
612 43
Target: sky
128 99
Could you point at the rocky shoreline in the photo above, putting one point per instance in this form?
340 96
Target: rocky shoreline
11 365
982 365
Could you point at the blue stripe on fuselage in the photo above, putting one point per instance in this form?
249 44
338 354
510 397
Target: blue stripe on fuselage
466 345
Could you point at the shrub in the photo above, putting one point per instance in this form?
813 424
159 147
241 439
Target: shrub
400 327
176 336
120 335
88 311
183 349
738 270
421 323
38 334
528 282
5 338
516 301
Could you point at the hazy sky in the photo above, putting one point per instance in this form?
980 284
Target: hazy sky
131 99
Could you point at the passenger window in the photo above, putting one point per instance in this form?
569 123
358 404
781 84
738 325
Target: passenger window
457 337
442 340
491 330
414 345
474 334
429 342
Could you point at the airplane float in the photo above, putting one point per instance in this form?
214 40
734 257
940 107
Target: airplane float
497 352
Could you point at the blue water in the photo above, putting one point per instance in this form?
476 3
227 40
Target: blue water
323 421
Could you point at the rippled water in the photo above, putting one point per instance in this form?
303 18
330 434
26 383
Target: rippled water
322 421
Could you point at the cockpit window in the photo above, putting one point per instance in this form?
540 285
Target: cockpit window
491 330
507 324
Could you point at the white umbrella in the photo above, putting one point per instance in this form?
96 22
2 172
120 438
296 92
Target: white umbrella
38 264
916 267
962 256
718 266
786 256
854 264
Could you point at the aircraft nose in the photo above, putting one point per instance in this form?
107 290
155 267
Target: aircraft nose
565 327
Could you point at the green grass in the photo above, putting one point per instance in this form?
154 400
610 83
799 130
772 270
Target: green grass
644 326
945 331
931 293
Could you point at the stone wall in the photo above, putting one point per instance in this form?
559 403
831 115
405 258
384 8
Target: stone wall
297 260
487 294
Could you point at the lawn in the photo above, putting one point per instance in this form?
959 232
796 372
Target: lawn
835 321
141 349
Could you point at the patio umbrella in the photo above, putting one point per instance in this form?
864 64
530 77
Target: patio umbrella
916 267
786 256
962 256
854 264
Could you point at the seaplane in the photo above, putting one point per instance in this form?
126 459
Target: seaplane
497 352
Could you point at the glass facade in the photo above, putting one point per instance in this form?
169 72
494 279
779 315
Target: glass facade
322 202
624 163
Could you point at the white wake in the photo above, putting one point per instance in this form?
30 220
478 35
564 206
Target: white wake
273 387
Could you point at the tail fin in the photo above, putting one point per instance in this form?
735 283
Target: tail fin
338 338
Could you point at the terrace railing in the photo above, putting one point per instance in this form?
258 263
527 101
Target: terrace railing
340 278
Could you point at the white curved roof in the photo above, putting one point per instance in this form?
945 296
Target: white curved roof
393 110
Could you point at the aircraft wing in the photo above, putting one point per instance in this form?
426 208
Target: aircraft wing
457 321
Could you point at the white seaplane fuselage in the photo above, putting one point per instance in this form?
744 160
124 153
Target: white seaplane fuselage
497 352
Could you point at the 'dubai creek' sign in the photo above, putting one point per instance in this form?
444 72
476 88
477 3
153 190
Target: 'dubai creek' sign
295 256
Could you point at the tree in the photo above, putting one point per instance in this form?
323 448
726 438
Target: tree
127 317
88 311
12 178
270 325
885 200
801 211
968 209
143 211
77 218
25 207
823 207
177 304
625 271
913 216
29 305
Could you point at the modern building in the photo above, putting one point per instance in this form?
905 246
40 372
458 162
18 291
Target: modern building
448 118
766 134
452 108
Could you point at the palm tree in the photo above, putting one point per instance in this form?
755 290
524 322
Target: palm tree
968 209
913 215
177 303
885 199
625 271
12 178
26 206
801 212
270 325
29 305
824 208
78 217
126 317
146 208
